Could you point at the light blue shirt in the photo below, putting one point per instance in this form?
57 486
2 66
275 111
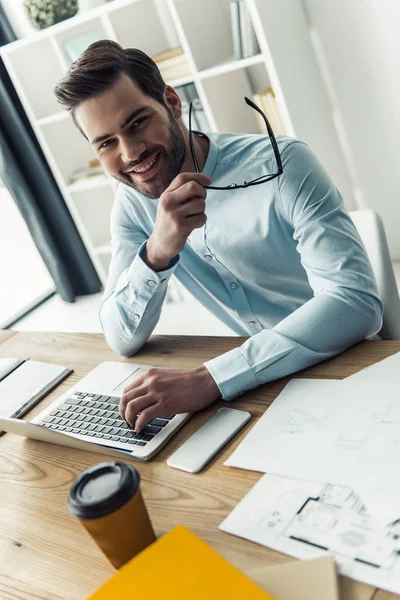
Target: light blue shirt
280 262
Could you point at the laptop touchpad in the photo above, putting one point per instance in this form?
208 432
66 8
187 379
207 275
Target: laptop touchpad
137 372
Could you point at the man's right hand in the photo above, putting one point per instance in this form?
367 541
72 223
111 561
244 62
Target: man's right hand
181 209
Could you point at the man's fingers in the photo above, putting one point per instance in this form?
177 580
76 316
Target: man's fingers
184 195
183 178
148 415
135 406
195 207
134 392
195 221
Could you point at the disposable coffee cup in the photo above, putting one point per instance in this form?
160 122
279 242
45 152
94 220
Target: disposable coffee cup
108 502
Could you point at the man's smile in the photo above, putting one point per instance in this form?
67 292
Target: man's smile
146 169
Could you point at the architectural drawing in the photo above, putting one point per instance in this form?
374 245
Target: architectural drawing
307 519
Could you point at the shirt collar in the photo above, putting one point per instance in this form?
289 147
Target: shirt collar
212 156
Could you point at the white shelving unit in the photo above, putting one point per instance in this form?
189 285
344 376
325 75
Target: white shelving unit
203 30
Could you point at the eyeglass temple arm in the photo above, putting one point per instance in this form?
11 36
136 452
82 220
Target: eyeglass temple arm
196 164
268 126
270 132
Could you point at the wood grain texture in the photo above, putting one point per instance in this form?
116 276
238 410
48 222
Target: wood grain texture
5 334
46 554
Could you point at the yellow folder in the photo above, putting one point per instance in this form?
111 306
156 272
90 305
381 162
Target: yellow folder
179 566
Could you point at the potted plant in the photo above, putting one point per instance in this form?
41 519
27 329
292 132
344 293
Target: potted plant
44 13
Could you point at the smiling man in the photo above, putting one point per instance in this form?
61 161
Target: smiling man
277 259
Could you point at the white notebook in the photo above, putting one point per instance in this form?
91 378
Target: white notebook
9 364
26 384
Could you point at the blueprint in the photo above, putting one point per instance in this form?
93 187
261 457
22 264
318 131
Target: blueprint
346 432
308 519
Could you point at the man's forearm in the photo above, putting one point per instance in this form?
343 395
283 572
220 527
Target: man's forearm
325 326
131 310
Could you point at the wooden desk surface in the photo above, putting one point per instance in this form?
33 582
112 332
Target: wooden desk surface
46 555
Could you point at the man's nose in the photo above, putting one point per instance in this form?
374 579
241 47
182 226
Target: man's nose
131 150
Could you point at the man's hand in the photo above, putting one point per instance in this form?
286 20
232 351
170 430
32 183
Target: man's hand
180 211
161 392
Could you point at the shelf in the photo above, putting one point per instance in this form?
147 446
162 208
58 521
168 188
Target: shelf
67 146
203 29
181 81
95 181
35 83
230 111
104 249
55 118
230 66
94 211
146 25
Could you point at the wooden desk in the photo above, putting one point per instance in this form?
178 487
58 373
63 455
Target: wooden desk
46 555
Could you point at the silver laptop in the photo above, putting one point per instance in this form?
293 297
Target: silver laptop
88 414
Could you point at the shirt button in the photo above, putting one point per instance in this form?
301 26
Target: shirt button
151 283
136 316
252 323
234 285
208 257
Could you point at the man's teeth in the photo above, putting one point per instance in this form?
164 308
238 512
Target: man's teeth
146 165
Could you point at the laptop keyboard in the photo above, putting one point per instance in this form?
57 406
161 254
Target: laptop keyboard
97 416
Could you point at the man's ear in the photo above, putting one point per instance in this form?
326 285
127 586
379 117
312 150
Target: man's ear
173 101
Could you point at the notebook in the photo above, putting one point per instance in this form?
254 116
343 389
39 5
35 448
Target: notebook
180 566
7 365
25 382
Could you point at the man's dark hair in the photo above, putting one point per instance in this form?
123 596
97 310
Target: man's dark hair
98 68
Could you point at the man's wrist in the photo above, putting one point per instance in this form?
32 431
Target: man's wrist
206 381
154 261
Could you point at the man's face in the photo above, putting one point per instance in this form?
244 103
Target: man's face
137 140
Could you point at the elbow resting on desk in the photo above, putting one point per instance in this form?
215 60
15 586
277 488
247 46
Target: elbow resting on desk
354 316
367 323
123 349
373 318
370 312
118 335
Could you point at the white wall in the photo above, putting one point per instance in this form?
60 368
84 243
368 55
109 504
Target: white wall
361 45
293 69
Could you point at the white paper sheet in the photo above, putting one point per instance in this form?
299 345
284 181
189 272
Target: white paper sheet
346 432
387 369
385 503
308 519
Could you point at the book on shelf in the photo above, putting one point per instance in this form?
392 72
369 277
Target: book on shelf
188 94
248 36
244 38
267 102
172 63
94 169
235 25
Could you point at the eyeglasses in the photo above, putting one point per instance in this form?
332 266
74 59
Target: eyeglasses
258 180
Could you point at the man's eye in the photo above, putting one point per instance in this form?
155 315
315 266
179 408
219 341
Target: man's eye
138 122
106 144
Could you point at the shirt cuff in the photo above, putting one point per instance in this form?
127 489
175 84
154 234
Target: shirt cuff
143 278
232 373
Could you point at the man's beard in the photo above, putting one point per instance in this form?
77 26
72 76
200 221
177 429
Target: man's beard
174 156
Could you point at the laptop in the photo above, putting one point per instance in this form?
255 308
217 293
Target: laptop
87 417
